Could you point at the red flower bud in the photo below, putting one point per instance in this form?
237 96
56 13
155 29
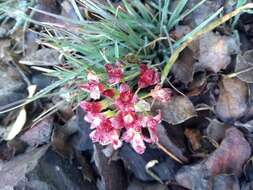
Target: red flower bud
148 77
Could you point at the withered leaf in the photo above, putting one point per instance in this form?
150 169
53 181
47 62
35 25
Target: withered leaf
168 141
229 158
215 51
233 152
244 66
39 134
178 110
184 67
233 99
216 130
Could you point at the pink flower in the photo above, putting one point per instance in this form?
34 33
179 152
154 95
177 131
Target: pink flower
117 122
115 72
161 94
136 139
95 119
115 139
101 132
93 107
151 123
148 77
94 88
126 99
129 118
105 134
138 143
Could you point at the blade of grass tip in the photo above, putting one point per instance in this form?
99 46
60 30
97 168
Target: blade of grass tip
188 12
73 2
206 29
96 7
116 49
164 14
176 13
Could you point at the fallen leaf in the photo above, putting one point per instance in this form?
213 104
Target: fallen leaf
184 67
216 130
215 51
38 134
50 6
171 141
244 66
165 170
62 138
229 158
233 99
138 185
112 173
225 159
11 148
197 85
178 110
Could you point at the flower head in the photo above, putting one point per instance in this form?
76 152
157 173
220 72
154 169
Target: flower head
93 107
115 72
94 87
121 115
126 98
148 77
136 139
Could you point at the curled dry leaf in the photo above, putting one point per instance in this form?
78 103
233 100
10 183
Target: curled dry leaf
224 160
178 110
233 99
215 51
244 66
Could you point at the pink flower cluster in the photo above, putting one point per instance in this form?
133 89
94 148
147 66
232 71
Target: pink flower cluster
122 116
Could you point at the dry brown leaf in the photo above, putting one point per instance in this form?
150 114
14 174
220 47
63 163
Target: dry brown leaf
244 66
233 99
184 67
178 110
215 51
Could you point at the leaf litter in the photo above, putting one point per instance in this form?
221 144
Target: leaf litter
183 135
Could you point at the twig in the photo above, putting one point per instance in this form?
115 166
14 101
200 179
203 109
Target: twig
169 153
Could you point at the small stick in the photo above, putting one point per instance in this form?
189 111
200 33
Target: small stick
166 151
